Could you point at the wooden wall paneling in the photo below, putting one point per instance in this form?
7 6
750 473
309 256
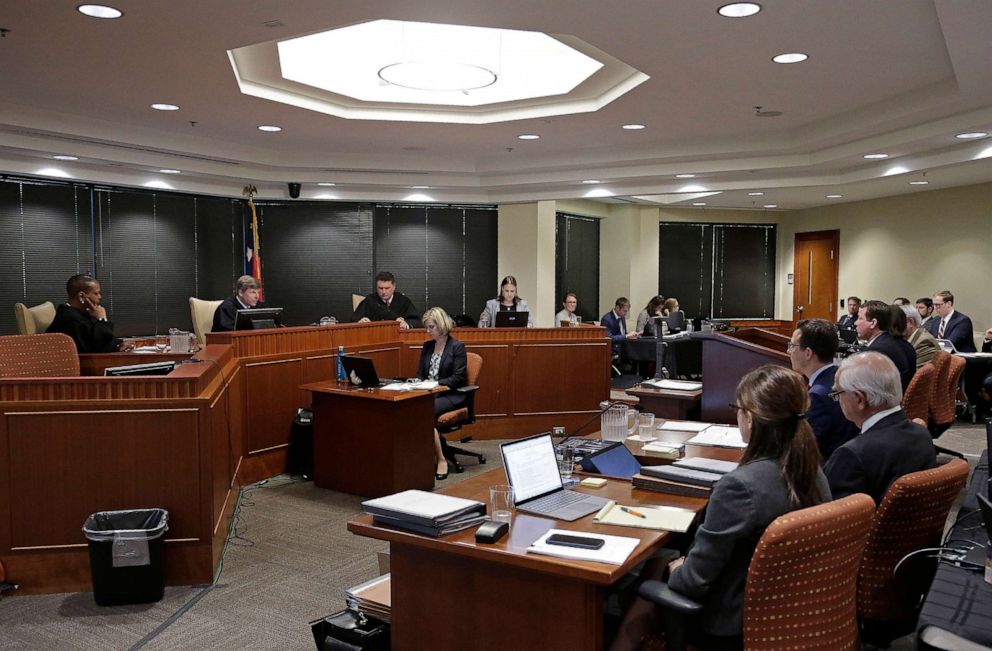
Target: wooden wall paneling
5 515
495 388
272 401
385 357
319 367
558 377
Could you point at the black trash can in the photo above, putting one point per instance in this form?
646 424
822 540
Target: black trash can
126 555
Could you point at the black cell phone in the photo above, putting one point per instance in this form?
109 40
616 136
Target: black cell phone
575 541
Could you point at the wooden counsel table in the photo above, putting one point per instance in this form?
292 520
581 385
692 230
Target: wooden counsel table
452 593
372 442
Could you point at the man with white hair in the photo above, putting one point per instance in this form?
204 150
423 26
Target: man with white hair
890 445
922 341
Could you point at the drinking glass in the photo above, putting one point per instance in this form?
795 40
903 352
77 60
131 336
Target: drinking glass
566 462
578 320
161 342
645 423
501 502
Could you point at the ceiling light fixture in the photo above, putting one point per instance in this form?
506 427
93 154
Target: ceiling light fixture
755 194
165 107
835 196
685 176
161 185
771 205
169 171
99 11
699 203
879 156
269 128
790 57
739 9
54 171
528 136
327 185
417 196
598 192
632 127
591 181
919 182
440 76
420 187
972 135
65 157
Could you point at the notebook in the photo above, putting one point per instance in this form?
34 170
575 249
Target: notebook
662 518
532 470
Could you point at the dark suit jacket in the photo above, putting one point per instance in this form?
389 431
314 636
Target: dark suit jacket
90 335
959 331
847 321
453 372
871 461
375 310
226 316
612 325
825 416
744 502
900 352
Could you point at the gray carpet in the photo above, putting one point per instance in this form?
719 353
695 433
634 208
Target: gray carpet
289 562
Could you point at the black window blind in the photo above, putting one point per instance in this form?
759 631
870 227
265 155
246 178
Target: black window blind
577 263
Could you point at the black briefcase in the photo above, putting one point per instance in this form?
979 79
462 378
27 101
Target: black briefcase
299 461
349 630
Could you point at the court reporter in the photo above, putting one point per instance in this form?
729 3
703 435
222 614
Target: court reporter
567 314
779 472
507 301
443 359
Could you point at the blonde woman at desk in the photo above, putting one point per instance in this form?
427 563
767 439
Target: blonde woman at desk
507 301
443 359
779 472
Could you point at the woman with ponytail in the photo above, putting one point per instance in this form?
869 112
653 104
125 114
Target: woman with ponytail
779 472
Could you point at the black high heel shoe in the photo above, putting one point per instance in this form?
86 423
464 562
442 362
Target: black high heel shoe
438 476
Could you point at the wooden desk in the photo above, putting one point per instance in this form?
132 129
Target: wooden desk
675 437
371 442
451 593
666 403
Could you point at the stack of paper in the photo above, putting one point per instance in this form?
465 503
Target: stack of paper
667 518
682 475
683 426
660 485
431 514
707 465
372 598
410 386
663 450
719 436
677 385
615 550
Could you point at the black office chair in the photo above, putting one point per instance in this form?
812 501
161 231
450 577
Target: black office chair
453 421
676 322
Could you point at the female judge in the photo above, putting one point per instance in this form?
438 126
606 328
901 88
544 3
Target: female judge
507 301
779 472
443 359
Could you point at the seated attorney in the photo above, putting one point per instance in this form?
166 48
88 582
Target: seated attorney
655 307
873 324
387 304
567 314
443 359
779 472
918 337
246 297
951 324
83 318
507 301
615 322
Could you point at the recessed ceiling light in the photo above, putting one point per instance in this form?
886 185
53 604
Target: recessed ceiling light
739 9
165 107
271 128
835 196
971 135
771 205
327 185
169 171
685 176
420 187
633 127
161 185
528 136
755 194
876 156
699 203
326 195
919 182
99 11
417 196
54 171
790 57
592 181
65 157
598 192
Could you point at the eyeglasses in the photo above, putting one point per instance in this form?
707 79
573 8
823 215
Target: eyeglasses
789 347
736 408
835 395
936 304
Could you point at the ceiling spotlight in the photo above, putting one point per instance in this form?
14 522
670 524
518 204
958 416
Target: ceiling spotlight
528 136
99 11
169 171
919 182
790 57
270 128
420 187
65 157
699 203
327 185
876 156
771 205
54 171
161 185
755 194
739 9
632 127
592 181
834 196
165 107
972 135
685 176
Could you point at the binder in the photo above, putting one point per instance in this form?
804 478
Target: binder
682 474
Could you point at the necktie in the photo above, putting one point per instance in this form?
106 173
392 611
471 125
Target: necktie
940 332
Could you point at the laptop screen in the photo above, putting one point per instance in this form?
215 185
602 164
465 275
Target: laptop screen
531 467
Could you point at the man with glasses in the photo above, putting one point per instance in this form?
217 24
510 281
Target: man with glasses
951 324
811 352
890 445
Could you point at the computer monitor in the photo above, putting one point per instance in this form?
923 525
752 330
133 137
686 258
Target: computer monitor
155 368
511 319
258 318
676 322
848 335
653 327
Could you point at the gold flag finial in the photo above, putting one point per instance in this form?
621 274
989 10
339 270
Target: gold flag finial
250 190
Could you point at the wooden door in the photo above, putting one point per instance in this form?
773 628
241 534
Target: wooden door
814 289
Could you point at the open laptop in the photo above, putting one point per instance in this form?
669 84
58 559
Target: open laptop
512 319
532 470
848 335
947 346
361 372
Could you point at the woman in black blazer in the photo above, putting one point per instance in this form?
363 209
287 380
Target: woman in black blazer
443 359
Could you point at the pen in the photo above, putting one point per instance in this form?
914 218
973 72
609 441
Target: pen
633 512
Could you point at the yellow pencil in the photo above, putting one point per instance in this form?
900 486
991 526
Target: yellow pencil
633 512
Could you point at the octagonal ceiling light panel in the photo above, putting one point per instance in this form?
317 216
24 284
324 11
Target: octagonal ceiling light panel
395 70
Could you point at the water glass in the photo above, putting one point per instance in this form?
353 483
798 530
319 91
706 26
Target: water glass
179 341
161 342
501 502
566 462
645 423
578 320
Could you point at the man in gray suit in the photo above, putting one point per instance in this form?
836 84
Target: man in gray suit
922 341
889 445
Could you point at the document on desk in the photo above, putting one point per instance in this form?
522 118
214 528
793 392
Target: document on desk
677 385
719 436
683 426
615 551
423 507
423 385
661 518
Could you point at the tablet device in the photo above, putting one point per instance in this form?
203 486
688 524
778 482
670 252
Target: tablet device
614 461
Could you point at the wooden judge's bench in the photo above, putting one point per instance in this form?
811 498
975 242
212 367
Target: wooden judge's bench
186 442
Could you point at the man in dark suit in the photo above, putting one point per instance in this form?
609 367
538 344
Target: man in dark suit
874 321
811 352
924 305
951 324
83 318
848 320
615 322
246 297
889 445
387 304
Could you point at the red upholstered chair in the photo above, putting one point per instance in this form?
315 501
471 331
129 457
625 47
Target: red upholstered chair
802 582
452 421
916 400
46 355
910 517
941 412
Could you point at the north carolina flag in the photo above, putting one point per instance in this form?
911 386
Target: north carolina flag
253 254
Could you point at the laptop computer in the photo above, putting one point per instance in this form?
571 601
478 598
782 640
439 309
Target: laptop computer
848 335
361 372
511 319
947 346
532 470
